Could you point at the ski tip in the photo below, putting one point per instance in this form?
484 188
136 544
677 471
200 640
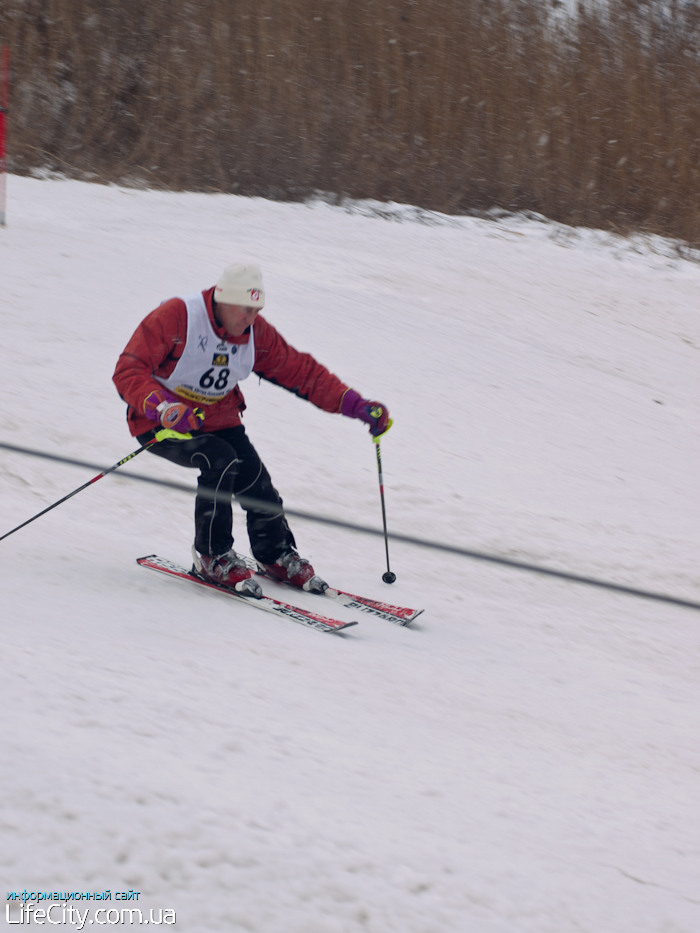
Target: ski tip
406 621
341 628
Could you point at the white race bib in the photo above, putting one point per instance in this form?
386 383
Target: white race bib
210 367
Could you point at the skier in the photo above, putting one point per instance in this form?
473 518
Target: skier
180 371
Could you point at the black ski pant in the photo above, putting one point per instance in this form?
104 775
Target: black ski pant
228 463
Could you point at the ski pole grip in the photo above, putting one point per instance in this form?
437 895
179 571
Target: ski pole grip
377 439
167 434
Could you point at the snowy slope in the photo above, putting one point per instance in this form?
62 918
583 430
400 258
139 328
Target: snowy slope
524 759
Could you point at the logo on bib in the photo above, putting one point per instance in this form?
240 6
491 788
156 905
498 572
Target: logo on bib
220 359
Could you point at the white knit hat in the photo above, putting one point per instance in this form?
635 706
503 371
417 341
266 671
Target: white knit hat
241 285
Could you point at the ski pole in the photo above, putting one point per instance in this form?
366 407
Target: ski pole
85 485
387 577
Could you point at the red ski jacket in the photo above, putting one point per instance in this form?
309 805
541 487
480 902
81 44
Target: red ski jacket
159 340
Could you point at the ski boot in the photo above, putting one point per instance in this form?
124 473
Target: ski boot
227 570
295 570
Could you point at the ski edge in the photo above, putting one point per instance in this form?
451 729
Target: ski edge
267 603
399 615
396 614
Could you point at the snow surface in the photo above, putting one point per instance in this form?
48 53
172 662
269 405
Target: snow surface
525 758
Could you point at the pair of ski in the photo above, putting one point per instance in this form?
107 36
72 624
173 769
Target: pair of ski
397 614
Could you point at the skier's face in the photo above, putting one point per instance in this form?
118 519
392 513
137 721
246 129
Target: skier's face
236 319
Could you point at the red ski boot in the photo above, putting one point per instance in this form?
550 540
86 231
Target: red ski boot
227 570
295 570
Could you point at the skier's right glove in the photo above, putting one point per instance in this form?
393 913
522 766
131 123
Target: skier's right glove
173 415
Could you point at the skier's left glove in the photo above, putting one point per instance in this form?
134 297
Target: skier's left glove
172 414
375 414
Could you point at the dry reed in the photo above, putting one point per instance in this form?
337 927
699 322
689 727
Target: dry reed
453 105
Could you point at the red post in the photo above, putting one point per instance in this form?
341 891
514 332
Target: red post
4 102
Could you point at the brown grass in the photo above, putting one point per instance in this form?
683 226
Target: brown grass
453 105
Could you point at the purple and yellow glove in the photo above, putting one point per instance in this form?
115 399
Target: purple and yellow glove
173 415
374 414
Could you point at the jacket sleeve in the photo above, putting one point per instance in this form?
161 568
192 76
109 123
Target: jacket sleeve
155 346
278 362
